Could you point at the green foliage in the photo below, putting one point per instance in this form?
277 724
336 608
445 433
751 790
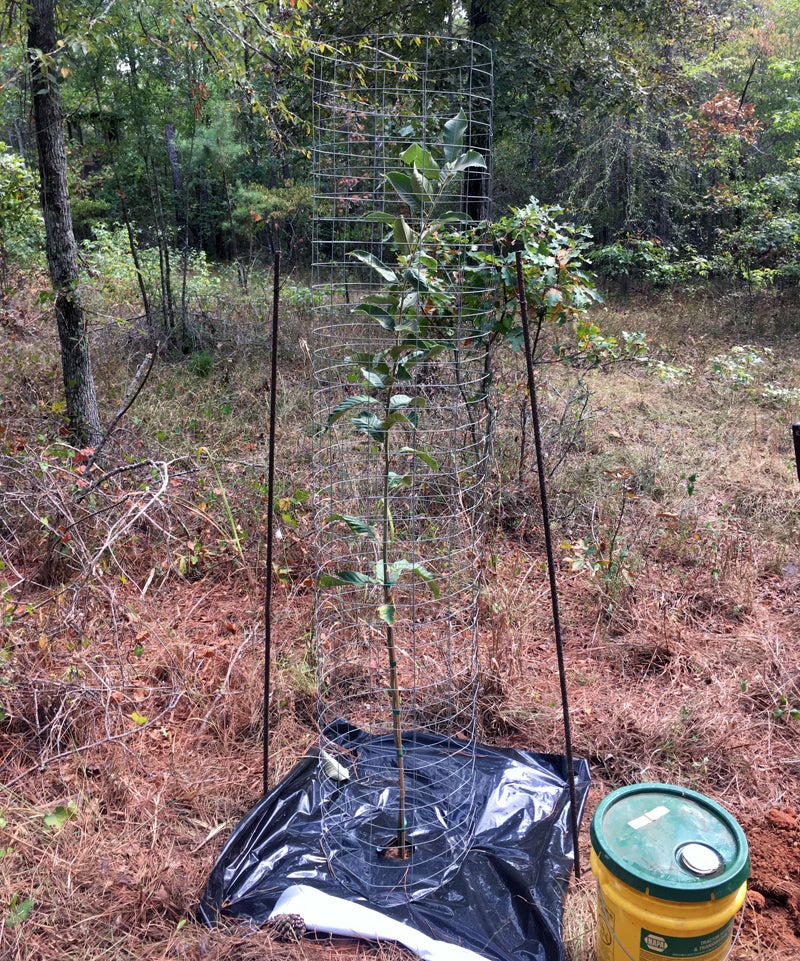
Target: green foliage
736 367
632 256
290 505
416 308
663 130
300 296
647 122
559 288
649 261
201 363
744 367
610 566
604 556
21 224
786 709
268 219
111 272
558 284
60 815
764 243
444 272
18 911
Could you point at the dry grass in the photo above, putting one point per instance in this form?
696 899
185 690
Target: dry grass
131 662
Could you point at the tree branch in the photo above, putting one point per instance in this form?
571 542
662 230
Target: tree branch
133 391
747 84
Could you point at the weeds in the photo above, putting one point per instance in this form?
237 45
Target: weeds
201 363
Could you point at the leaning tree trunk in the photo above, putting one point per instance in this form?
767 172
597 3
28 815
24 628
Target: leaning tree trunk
62 251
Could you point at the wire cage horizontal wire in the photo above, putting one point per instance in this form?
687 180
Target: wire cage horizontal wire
402 426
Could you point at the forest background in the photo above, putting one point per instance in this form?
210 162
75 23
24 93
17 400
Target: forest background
670 128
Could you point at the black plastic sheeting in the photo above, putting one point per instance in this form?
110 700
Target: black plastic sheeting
504 901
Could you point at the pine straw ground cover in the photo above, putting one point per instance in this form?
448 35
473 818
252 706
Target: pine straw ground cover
131 659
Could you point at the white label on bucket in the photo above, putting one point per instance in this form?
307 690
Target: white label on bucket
648 817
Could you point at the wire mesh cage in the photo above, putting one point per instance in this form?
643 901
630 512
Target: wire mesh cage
402 128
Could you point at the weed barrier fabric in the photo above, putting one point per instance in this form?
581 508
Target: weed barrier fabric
503 901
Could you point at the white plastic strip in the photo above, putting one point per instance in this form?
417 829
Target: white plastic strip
329 915
648 817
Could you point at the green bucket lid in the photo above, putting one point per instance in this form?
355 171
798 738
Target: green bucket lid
670 843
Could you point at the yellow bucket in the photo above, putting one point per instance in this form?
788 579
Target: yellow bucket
671 868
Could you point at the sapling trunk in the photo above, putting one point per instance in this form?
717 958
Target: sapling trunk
402 849
406 306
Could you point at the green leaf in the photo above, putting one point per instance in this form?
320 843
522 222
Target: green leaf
380 312
452 217
18 911
61 815
398 568
371 425
398 417
398 480
398 401
356 524
453 136
416 278
405 239
424 456
375 379
417 156
387 613
427 350
138 718
371 261
348 404
343 578
516 338
421 186
401 182
464 162
553 297
378 216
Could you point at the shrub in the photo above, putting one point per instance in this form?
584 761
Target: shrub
21 224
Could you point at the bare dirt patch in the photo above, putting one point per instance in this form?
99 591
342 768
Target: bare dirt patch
774 888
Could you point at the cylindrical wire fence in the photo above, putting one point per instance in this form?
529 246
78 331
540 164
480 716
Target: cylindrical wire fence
402 128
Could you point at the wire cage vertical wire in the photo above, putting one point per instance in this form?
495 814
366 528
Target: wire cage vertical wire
402 415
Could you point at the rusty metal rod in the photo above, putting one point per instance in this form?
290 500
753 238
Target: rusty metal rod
537 436
273 394
796 436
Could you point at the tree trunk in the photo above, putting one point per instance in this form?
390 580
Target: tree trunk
476 181
177 184
62 250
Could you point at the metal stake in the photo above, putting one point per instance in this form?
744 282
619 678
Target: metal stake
273 393
537 435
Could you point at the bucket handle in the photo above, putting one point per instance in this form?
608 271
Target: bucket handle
602 902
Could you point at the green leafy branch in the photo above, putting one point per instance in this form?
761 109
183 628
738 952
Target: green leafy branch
412 307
